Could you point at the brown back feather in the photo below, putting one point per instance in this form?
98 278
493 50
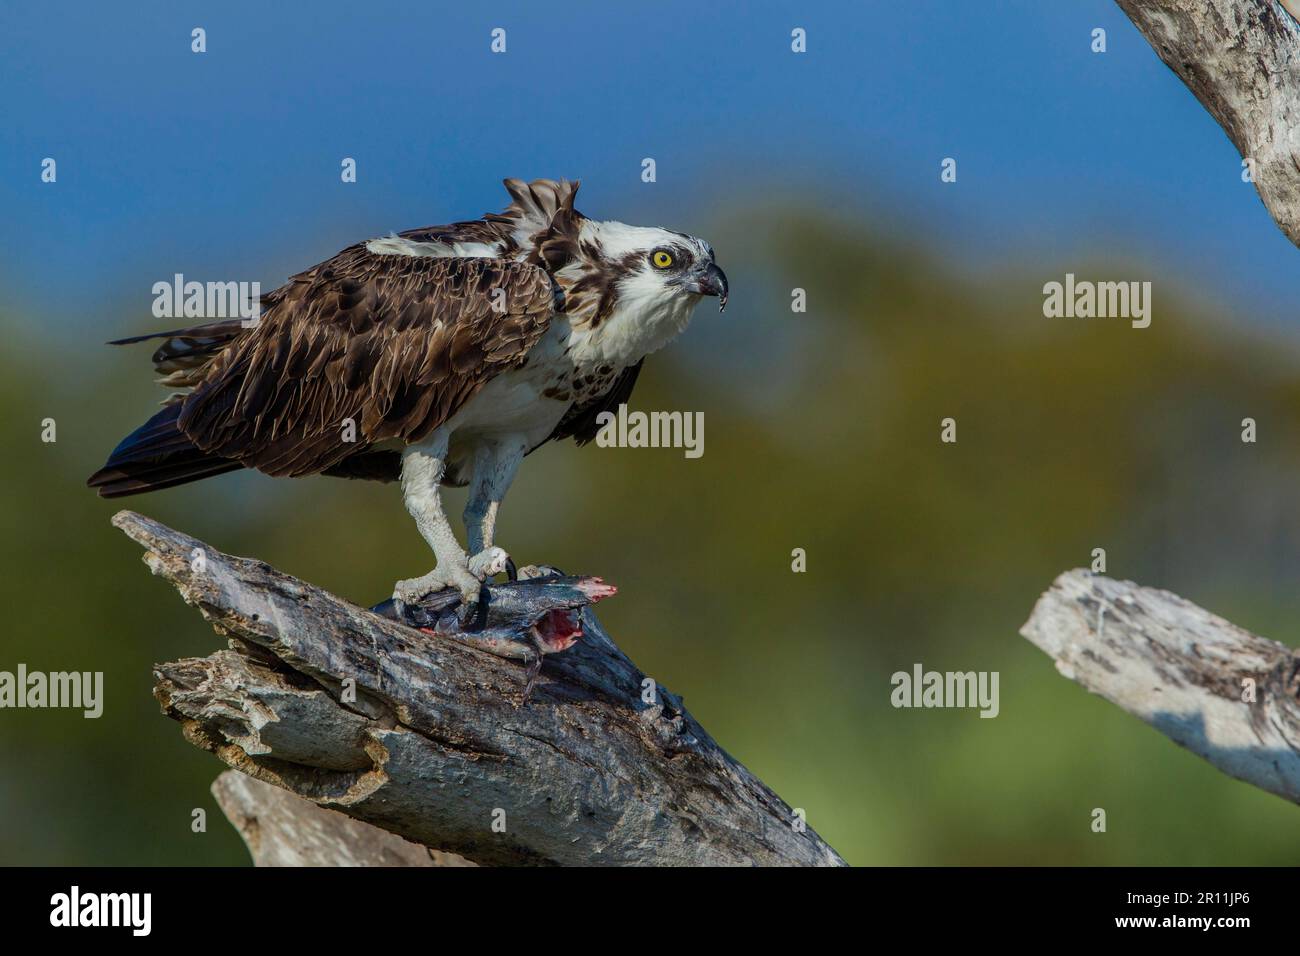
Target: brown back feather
398 344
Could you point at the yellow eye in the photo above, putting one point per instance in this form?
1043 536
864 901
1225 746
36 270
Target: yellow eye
662 259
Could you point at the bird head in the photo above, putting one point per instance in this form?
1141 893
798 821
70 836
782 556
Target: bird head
650 265
634 285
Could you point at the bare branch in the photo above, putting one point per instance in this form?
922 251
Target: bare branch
1220 691
283 830
436 746
1241 58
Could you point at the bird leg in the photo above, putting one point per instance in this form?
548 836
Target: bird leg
423 467
495 464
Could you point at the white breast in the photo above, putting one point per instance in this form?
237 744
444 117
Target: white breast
530 400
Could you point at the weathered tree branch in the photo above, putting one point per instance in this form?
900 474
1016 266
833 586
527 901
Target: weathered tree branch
1241 58
283 830
426 737
1221 692
1176 666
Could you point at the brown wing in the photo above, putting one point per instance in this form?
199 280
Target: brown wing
392 344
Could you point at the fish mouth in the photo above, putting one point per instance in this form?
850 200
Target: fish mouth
561 628
557 630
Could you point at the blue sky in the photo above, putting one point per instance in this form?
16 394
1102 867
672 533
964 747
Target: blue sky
225 165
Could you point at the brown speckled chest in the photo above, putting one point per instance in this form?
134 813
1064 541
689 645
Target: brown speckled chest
579 386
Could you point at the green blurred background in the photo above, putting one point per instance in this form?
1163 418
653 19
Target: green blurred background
817 170
822 432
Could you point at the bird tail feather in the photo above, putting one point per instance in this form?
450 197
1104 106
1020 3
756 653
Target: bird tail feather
156 455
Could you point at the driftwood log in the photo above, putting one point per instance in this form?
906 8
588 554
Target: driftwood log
429 739
1223 693
1241 59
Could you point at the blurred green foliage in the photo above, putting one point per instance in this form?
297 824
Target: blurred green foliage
822 432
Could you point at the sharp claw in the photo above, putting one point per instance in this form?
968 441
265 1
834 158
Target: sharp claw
468 613
512 572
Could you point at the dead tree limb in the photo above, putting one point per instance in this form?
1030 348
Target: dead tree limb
426 737
1171 663
1223 693
1241 59
280 829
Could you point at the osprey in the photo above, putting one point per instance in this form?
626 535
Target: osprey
437 356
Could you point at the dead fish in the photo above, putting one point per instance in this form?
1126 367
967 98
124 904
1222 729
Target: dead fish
523 619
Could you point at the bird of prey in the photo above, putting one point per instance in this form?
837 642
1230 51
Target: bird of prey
437 356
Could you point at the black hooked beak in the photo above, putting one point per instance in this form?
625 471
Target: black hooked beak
713 281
